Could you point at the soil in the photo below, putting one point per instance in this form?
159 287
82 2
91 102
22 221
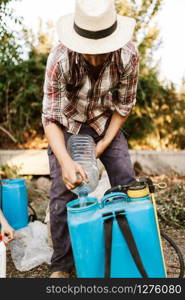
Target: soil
41 271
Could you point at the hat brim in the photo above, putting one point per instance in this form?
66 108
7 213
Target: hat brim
72 40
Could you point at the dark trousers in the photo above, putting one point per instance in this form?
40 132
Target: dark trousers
117 163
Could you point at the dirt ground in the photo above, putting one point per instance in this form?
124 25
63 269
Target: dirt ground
43 271
172 217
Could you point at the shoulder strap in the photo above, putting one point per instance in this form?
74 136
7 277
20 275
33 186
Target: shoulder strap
108 245
125 229
127 233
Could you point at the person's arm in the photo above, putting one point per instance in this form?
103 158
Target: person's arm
127 99
54 94
70 168
7 230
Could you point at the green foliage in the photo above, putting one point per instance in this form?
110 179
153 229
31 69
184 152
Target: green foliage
9 47
158 119
21 80
10 51
146 32
24 95
7 172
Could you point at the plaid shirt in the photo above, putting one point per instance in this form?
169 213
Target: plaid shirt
72 98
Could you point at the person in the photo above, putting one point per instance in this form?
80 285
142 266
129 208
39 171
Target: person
6 230
90 88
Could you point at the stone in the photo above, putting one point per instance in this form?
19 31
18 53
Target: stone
43 183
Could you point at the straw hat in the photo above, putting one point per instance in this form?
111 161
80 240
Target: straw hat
95 28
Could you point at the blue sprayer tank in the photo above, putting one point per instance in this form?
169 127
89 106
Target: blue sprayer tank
14 202
128 223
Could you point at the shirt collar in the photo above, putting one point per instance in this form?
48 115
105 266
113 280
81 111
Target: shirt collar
114 59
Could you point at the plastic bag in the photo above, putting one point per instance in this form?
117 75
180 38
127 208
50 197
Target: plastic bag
30 247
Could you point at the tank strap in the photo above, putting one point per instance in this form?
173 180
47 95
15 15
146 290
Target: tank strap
108 245
127 234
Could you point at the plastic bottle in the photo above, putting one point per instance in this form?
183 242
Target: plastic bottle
2 258
82 150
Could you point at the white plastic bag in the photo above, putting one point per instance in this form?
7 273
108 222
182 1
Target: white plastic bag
30 247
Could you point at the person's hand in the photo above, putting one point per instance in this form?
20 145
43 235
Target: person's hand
7 232
100 147
73 174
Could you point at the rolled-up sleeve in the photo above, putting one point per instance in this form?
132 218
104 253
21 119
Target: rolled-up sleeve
54 87
128 86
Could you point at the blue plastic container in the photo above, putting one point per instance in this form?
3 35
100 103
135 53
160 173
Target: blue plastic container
14 203
86 227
